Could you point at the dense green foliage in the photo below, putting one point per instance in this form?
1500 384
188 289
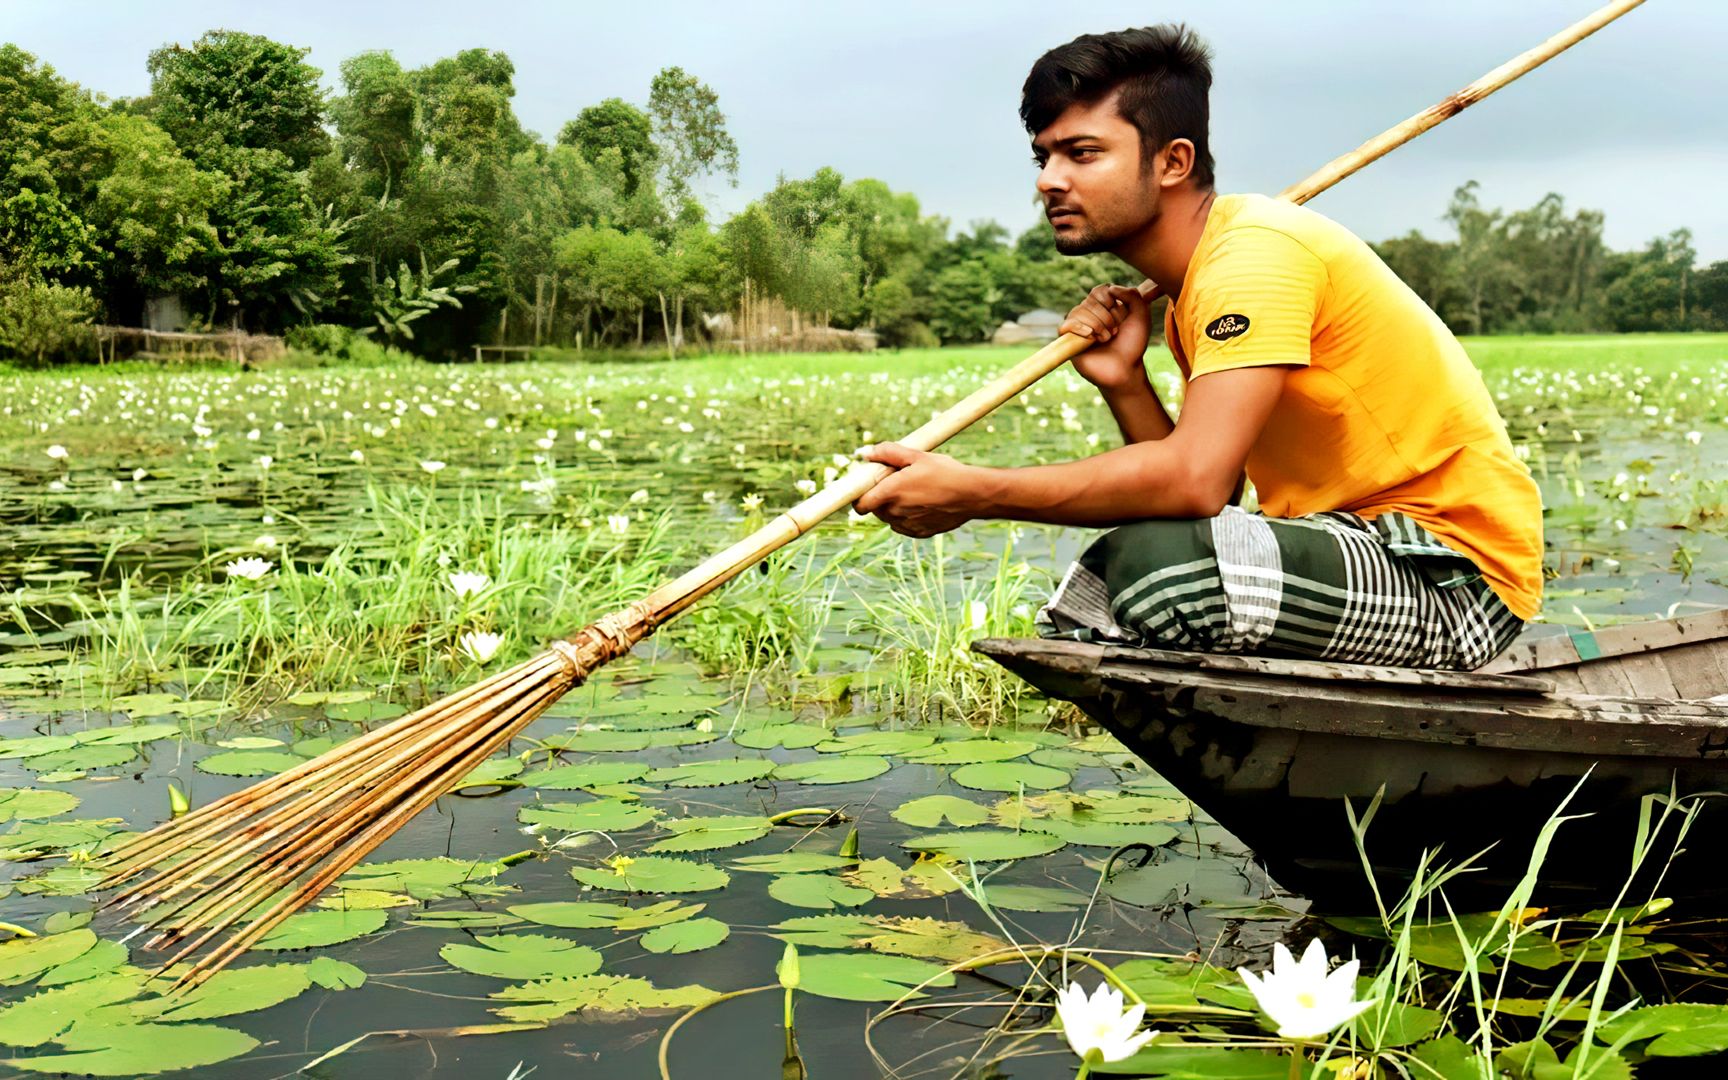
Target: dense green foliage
411 205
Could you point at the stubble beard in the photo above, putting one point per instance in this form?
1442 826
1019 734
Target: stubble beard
1090 239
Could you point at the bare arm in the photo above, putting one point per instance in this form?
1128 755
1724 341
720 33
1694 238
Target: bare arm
1190 473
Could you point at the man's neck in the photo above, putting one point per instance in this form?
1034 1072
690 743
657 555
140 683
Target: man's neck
1163 249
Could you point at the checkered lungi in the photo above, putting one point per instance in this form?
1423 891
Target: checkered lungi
1330 586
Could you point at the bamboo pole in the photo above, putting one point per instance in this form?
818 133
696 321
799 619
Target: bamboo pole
326 815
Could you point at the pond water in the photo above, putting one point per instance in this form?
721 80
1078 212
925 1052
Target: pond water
132 660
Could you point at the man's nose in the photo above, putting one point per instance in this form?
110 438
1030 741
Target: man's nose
1051 180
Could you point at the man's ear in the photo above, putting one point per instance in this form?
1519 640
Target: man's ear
1176 163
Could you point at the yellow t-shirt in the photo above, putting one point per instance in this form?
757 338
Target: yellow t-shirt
1386 413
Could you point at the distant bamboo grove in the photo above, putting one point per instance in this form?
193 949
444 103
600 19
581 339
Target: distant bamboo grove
412 211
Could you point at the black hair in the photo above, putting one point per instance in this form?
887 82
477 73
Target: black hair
1164 73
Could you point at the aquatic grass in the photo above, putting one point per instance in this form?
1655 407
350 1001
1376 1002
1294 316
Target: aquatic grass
932 611
377 606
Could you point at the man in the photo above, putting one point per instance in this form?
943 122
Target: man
1396 525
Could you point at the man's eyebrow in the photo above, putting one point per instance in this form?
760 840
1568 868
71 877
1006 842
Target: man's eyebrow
1069 141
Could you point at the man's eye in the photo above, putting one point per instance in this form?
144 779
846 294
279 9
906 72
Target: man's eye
1038 161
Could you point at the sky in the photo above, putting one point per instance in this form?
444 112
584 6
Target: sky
924 95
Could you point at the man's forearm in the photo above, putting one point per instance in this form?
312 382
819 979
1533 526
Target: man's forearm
1131 483
1138 412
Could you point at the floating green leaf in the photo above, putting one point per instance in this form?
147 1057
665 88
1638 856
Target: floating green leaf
652 874
686 937
930 811
973 751
140 1049
100 959
924 878
316 929
711 773
590 915
80 758
228 993
554 998
523 956
41 1017
867 976
333 974
1009 776
249 762
1679 1030
877 742
1033 898
712 833
818 891
599 815
792 862
20 804
423 879
846 769
986 845
22 959
591 774
492 772
790 736
1199 1063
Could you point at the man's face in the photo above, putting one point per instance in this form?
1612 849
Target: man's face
1090 178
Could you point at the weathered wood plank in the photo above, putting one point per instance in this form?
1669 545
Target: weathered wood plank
1648 675
1654 635
1605 677
1698 670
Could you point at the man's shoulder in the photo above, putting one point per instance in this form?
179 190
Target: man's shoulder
1309 228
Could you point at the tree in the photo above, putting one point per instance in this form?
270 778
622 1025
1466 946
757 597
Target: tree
1488 279
615 124
238 90
689 132
376 121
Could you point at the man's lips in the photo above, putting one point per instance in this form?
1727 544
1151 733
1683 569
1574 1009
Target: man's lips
1061 213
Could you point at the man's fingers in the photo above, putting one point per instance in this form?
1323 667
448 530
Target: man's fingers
889 453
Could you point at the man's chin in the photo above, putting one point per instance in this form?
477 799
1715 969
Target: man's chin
1081 242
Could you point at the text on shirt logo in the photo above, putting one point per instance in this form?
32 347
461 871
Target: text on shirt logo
1225 327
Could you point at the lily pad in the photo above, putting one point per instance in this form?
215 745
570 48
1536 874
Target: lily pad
590 774
316 929
986 845
932 810
249 762
228 993
1009 776
790 736
793 862
833 770
20 804
819 891
22 959
652 874
878 742
523 956
592 915
868 976
599 815
140 1049
711 773
686 937
712 833
551 999
973 751
424 879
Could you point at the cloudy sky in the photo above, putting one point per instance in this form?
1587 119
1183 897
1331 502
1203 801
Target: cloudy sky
923 94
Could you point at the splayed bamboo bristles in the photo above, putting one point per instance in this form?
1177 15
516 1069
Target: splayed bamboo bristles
317 820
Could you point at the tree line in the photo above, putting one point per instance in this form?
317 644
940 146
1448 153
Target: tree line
411 207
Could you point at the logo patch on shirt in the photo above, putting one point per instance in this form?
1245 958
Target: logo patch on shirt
1225 327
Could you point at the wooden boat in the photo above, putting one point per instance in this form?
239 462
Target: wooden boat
1270 748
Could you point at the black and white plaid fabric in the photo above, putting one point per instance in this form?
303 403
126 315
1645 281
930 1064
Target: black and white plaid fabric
1329 586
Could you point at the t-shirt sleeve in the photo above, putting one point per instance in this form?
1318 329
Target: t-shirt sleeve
1253 303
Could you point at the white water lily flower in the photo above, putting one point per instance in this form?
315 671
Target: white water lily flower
1302 998
480 645
265 461
1099 1023
466 583
618 523
639 496
266 541
752 501
251 568
58 452
976 612
806 487
433 467
357 456
138 475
